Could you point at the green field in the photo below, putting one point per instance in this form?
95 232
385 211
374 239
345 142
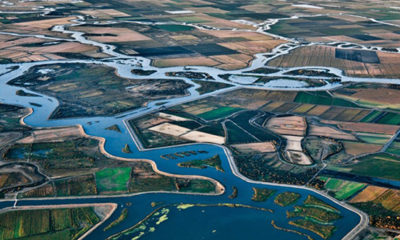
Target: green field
390 118
322 98
218 113
381 165
174 27
62 224
375 139
286 198
371 116
343 189
394 148
236 135
113 179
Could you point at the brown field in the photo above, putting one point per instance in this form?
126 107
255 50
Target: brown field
253 43
232 62
104 13
262 147
329 132
170 129
271 106
370 193
11 48
318 110
194 61
357 148
365 127
303 108
387 96
325 56
46 24
292 125
121 34
390 199
52 135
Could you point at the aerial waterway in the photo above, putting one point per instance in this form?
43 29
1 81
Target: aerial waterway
210 222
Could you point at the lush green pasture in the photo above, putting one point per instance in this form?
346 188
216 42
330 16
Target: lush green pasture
322 98
113 179
343 189
218 113
380 165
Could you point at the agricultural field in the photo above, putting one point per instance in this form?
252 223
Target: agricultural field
342 189
68 223
381 165
382 204
319 55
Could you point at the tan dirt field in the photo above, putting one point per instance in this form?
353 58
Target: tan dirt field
104 13
370 193
52 135
198 136
170 129
292 125
48 23
365 127
377 95
193 61
262 147
357 148
171 117
293 143
330 132
122 34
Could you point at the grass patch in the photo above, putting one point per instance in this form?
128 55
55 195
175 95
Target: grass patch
113 179
322 98
343 189
381 165
218 113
